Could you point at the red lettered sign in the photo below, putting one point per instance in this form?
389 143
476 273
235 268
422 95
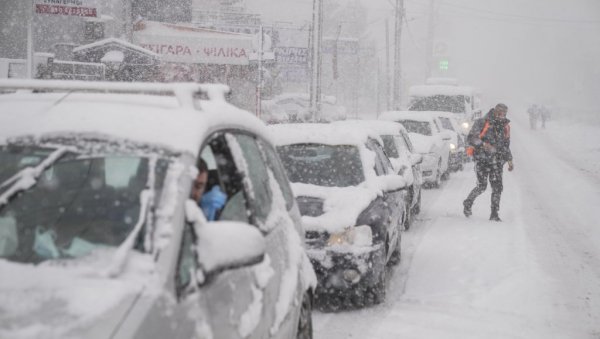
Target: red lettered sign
65 10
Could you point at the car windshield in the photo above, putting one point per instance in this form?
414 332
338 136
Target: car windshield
389 146
420 127
77 204
446 123
322 165
441 103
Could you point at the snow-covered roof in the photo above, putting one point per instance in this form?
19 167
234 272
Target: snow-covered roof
431 90
379 126
163 28
107 41
177 122
327 134
408 115
441 81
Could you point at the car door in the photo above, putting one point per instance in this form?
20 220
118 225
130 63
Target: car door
269 212
238 302
443 147
230 301
416 168
394 199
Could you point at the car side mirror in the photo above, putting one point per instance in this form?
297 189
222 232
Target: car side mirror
224 245
390 182
416 159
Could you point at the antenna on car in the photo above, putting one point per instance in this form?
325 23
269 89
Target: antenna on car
185 93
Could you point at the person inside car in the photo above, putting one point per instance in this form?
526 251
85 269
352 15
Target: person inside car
212 201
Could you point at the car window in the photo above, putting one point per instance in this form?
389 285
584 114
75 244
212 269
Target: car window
389 146
408 143
276 167
383 165
222 172
446 123
256 171
322 165
420 127
401 145
437 127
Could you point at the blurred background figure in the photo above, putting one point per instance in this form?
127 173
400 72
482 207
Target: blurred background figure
533 112
545 112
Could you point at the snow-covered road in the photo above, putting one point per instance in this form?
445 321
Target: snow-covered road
534 275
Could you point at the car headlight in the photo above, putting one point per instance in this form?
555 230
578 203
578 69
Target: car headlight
465 125
452 147
357 236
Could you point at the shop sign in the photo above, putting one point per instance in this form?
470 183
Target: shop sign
197 50
64 7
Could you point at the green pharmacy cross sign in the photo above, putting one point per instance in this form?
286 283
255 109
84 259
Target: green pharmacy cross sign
443 65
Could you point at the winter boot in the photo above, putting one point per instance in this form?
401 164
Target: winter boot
467 208
494 216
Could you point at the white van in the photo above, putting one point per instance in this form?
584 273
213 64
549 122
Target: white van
445 95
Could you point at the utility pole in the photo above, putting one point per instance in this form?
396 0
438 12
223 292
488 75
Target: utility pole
316 41
399 11
30 53
387 65
430 35
259 77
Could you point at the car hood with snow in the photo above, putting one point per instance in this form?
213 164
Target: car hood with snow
70 299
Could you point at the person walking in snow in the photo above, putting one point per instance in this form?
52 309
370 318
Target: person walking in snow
533 112
544 114
490 141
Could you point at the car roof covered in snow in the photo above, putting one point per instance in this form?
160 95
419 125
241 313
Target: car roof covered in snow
139 112
379 126
327 134
408 115
431 90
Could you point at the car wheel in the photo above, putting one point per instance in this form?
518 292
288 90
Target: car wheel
397 254
438 176
417 207
376 294
408 218
305 328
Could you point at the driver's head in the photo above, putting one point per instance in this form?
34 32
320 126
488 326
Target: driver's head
200 181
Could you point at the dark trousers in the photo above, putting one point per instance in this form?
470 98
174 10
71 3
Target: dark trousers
485 172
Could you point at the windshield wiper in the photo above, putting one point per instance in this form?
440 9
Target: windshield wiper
146 203
27 177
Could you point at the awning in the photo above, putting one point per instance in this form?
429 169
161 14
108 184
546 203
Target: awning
183 44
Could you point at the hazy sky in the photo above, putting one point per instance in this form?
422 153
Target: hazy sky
513 50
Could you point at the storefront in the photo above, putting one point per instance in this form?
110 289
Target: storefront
203 55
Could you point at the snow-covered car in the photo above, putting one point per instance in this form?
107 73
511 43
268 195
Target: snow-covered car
428 139
99 237
351 203
295 107
458 155
445 95
406 162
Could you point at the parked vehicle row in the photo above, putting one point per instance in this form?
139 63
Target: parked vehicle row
103 191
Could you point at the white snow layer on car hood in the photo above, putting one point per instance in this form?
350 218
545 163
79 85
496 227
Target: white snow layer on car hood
421 143
343 205
66 299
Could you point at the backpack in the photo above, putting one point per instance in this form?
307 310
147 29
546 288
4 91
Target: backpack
471 150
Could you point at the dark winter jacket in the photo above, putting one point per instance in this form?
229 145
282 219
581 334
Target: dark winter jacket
496 133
